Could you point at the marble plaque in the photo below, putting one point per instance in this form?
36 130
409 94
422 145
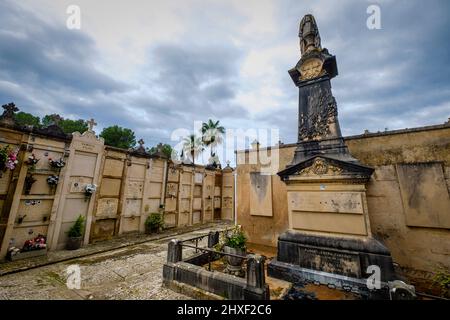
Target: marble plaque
216 203
197 191
35 211
134 189
4 181
228 203
113 168
132 207
172 175
183 218
130 224
171 204
152 205
155 190
110 187
332 261
74 208
185 191
170 219
137 171
157 174
185 205
77 184
196 217
186 177
339 202
172 190
107 206
198 177
208 204
84 164
197 204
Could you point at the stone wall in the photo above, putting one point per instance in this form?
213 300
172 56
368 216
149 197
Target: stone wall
130 186
408 195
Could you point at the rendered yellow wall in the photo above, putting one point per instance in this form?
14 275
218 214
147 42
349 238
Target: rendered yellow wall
418 249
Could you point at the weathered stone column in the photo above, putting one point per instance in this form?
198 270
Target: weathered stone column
256 289
174 251
255 271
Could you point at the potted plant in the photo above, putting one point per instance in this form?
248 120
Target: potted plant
234 242
154 223
76 234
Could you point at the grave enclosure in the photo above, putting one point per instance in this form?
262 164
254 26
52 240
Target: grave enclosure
131 184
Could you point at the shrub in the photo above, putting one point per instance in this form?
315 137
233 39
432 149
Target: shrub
78 228
154 221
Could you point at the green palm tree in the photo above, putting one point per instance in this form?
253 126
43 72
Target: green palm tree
212 134
193 146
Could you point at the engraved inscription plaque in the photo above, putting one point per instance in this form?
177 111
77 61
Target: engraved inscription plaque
332 261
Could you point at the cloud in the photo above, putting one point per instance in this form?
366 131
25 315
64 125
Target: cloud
158 66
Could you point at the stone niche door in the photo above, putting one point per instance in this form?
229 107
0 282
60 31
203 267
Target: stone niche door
83 167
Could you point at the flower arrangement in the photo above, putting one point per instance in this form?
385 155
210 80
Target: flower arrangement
32 160
8 158
35 244
52 180
56 163
89 189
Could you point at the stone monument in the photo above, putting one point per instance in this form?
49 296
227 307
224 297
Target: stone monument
329 240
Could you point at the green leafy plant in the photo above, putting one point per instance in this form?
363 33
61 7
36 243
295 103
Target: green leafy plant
442 279
234 238
78 228
154 221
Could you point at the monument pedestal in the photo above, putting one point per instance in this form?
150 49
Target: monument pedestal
329 240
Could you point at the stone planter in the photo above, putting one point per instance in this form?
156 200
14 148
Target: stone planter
27 254
74 243
234 264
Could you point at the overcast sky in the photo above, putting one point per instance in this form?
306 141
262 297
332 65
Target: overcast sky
155 66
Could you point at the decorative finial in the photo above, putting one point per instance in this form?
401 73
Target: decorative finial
141 143
91 123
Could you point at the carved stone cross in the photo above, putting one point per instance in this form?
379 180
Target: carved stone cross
91 123
141 143
8 114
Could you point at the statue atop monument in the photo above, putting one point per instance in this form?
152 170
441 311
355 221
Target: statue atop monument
309 34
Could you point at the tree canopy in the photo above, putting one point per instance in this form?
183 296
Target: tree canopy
27 119
166 149
119 137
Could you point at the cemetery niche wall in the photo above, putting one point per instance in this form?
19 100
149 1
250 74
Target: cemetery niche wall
46 191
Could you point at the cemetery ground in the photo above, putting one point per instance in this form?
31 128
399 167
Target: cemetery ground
129 267
125 268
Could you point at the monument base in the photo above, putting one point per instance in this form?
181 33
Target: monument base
336 262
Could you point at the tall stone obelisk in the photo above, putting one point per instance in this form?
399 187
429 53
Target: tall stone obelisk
329 238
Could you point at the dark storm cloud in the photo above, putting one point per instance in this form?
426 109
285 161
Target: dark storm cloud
394 77
202 80
33 51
